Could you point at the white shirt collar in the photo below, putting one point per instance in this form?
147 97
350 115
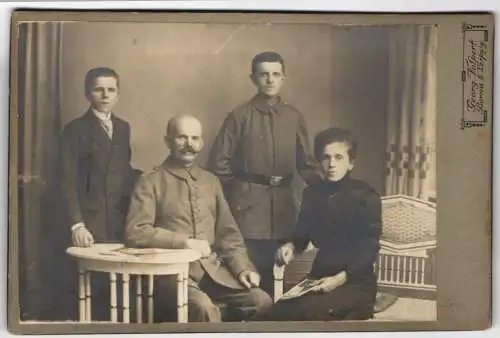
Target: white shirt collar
102 116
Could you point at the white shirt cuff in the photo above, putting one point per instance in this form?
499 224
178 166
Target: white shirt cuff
77 226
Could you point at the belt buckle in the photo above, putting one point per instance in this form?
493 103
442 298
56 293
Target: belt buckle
275 181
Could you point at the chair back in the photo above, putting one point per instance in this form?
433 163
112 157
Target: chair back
408 240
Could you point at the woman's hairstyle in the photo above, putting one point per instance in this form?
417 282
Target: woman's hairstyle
335 135
267 57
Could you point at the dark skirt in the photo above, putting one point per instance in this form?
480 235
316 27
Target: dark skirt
348 302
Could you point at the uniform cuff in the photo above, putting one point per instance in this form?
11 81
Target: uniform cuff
240 264
169 239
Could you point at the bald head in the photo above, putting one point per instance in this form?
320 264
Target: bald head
184 138
182 122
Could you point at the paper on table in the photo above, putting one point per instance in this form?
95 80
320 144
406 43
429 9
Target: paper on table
142 251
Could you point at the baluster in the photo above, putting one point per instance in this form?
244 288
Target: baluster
405 272
393 268
81 295
126 303
380 276
88 297
113 297
139 298
150 299
398 269
386 270
180 298
423 272
185 291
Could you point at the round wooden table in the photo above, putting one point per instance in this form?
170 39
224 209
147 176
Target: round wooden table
116 259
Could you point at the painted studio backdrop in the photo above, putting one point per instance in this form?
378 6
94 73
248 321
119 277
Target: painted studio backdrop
378 81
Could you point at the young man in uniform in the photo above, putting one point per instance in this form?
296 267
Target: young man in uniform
255 154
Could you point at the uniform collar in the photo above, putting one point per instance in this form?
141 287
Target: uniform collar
181 172
262 104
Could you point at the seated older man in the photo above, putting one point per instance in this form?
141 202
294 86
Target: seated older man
180 205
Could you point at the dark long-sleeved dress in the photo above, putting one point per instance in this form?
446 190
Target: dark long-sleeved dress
343 221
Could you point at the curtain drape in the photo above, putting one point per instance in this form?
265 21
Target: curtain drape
411 119
411 122
39 116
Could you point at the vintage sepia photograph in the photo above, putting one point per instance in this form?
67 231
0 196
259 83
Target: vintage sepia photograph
227 172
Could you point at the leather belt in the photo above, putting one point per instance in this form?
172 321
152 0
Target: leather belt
272 181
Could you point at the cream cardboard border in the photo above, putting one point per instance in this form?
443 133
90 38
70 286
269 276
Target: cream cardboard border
464 164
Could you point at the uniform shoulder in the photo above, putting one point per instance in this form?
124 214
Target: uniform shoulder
211 179
207 174
291 108
152 174
240 110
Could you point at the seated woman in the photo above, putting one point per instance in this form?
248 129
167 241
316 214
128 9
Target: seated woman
342 218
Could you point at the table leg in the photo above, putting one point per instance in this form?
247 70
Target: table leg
88 297
81 295
150 299
180 298
113 296
185 290
126 303
139 299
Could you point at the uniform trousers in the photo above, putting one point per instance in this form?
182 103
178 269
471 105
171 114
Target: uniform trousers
205 298
262 253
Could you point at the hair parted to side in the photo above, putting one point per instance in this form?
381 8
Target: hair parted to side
335 135
94 73
268 56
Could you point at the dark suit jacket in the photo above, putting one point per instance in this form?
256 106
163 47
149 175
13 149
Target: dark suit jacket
171 204
344 221
96 176
258 139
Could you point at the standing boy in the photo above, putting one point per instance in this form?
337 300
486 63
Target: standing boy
95 171
255 155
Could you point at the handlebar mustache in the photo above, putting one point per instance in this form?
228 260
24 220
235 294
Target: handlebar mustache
188 150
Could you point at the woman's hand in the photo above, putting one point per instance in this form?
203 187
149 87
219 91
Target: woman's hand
331 283
285 254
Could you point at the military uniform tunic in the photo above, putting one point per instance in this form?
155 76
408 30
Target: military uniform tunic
270 141
173 204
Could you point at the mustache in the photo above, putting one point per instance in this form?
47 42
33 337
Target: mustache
187 150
